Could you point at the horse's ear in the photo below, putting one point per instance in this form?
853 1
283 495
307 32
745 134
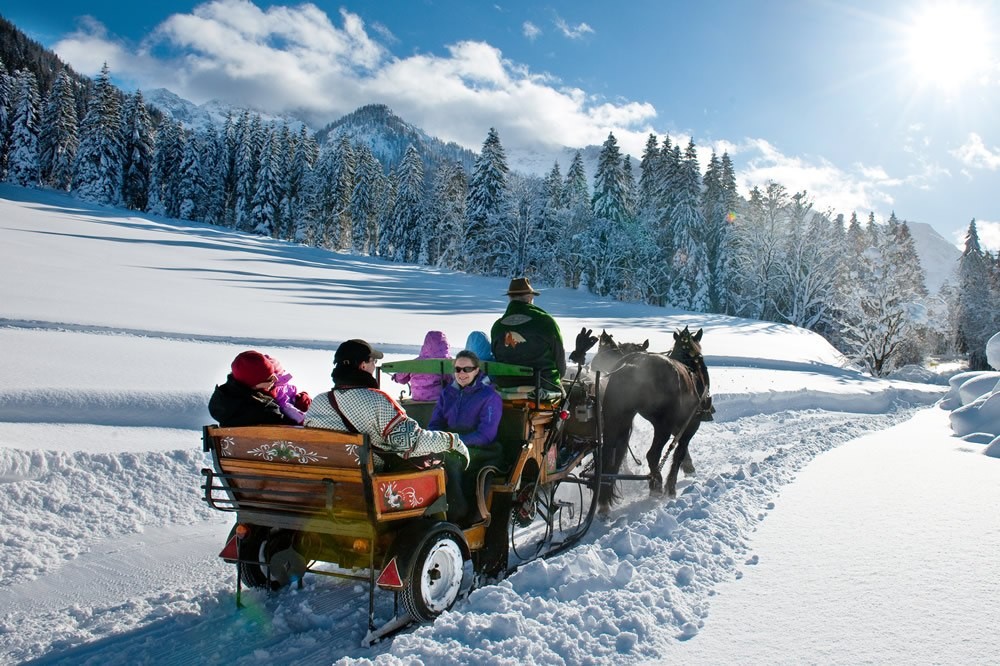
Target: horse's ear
645 345
677 335
697 336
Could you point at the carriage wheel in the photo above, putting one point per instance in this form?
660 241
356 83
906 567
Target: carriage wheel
255 550
251 551
574 499
434 578
530 520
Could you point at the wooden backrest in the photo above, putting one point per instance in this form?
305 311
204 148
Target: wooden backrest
315 470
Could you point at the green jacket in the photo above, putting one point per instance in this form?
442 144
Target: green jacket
528 335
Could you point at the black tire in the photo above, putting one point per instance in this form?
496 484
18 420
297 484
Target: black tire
255 550
434 576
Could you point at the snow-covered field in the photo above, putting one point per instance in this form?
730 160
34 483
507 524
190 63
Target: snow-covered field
834 518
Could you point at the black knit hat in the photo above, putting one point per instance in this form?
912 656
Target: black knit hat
355 351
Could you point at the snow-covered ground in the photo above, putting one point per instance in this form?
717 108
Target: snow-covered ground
834 518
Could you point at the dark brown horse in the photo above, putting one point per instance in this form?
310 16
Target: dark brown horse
665 389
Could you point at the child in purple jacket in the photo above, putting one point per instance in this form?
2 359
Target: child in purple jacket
427 386
293 402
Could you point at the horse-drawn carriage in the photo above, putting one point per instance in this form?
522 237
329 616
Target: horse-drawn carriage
310 500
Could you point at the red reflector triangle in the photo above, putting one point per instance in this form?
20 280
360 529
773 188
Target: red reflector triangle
390 576
230 552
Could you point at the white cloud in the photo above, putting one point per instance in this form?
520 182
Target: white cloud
865 188
295 58
975 154
989 235
530 30
90 46
572 31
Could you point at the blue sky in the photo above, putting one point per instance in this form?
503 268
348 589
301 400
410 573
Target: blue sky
877 106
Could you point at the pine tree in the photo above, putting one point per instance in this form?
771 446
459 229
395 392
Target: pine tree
369 188
22 158
977 310
575 192
303 159
211 158
649 176
266 201
247 167
139 149
165 176
487 200
386 222
689 284
343 177
191 191
6 105
97 173
610 189
58 138
408 214
576 218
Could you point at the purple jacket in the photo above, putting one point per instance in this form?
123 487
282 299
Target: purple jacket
284 392
425 386
473 412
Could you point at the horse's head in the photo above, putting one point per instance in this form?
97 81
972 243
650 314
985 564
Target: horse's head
633 347
687 345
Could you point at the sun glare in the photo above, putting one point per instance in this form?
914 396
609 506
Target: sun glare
947 45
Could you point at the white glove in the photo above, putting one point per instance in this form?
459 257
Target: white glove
459 447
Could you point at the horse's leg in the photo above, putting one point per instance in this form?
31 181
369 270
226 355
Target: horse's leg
687 466
616 436
661 433
680 453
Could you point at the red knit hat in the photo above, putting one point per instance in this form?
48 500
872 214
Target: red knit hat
252 368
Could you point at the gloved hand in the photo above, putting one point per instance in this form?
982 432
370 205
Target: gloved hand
459 447
584 341
302 401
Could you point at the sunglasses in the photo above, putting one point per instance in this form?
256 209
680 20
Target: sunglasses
470 368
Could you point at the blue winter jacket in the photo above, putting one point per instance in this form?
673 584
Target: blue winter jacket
473 412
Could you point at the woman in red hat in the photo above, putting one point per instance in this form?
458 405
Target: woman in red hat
247 397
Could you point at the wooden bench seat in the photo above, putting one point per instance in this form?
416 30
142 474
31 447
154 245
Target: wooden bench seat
311 472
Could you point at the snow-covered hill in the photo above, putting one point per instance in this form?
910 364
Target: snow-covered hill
116 326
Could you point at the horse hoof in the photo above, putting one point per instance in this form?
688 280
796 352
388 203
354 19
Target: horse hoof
688 469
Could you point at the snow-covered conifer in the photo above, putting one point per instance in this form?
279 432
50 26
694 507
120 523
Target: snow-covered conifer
139 149
266 202
369 188
487 199
406 231
610 190
22 157
689 261
58 138
97 173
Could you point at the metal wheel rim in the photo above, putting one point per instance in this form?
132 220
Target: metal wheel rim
441 576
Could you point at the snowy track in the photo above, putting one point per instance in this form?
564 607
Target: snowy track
162 595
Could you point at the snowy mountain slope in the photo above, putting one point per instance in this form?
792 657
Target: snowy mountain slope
201 116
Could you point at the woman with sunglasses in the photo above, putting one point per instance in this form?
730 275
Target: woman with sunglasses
470 406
